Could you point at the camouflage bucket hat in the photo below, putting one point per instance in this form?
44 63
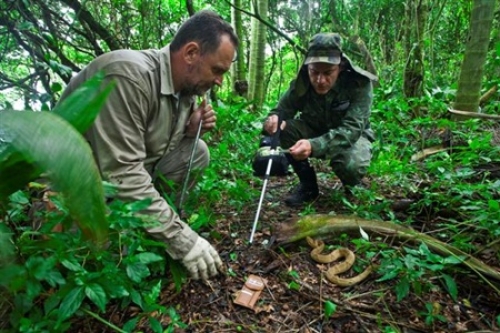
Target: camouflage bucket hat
324 47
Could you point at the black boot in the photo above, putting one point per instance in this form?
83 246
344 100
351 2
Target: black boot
307 190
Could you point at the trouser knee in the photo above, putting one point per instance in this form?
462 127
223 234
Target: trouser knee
352 165
174 165
349 174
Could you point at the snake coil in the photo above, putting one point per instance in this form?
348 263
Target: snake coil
332 273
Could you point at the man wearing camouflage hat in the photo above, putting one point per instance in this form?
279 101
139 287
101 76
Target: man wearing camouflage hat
325 114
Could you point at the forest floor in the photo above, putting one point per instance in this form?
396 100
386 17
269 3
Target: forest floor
295 292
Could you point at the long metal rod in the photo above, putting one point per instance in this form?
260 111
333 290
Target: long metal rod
266 179
191 158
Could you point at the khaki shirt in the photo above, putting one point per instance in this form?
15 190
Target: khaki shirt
141 121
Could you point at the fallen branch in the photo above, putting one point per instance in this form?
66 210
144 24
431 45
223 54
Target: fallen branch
469 114
420 155
326 225
488 95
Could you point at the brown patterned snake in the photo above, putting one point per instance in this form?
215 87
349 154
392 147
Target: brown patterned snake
332 273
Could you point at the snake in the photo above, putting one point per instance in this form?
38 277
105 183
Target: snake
332 274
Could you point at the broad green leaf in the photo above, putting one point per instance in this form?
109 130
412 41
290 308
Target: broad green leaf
56 86
151 297
25 25
155 325
33 288
451 286
453 259
137 298
72 264
493 205
137 206
402 289
19 197
71 303
130 325
97 295
55 147
14 277
294 286
80 109
434 267
389 275
137 271
178 272
83 105
417 287
38 266
116 290
329 308
54 278
51 303
148 257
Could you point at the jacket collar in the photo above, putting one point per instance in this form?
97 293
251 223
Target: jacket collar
166 81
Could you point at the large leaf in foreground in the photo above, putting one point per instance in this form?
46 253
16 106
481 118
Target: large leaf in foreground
80 109
83 105
53 146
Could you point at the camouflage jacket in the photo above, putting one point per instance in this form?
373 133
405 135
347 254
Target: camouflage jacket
339 118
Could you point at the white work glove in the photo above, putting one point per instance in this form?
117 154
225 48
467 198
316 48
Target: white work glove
202 260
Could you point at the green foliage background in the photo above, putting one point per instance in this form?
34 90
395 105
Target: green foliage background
45 41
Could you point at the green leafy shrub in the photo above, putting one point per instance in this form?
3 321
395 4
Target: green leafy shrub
47 277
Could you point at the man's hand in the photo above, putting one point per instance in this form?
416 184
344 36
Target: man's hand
203 260
271 124
301 150
206 113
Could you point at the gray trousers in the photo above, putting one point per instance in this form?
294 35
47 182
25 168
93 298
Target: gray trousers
350 165
172 168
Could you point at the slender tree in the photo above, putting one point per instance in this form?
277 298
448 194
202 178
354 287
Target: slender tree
414 71
238 70
257 53
471 73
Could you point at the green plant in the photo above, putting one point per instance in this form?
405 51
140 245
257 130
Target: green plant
366 204
307 210
54 276
329 308
294 275
30 144
414 268
66 275
432 313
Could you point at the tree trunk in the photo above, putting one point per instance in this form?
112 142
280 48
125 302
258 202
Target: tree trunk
257 54
471 73
238 70
414 69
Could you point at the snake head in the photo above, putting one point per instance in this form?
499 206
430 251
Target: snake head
314 243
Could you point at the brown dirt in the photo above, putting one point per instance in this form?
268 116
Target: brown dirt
293 298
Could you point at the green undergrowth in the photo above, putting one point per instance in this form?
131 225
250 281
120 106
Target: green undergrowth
50 279
53 278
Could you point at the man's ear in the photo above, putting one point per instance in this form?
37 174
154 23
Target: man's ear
191 51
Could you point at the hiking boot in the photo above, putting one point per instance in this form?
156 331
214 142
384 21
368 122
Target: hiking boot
302 194
307 190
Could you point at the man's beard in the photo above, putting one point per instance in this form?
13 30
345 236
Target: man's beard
196 89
